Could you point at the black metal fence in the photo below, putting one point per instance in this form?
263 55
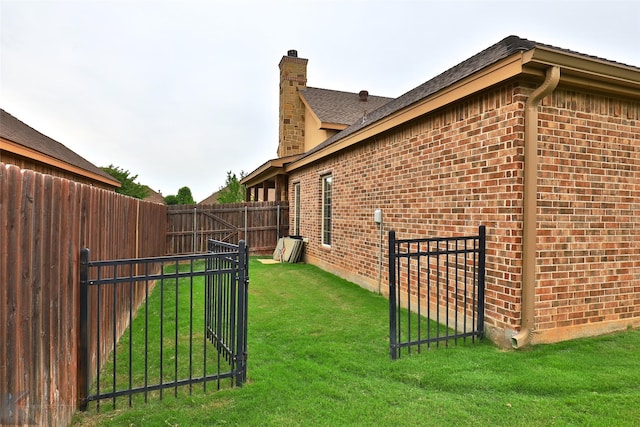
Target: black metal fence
190 326
226 304
436 291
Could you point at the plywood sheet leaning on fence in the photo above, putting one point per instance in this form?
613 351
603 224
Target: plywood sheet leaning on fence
288 250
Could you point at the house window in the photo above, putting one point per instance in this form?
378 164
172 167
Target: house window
296 207
326 210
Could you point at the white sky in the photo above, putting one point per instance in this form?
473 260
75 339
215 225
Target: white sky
179 92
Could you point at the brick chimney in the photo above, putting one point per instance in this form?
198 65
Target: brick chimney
293 76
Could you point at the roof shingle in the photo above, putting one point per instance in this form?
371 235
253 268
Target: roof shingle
487 57
345 108
20 133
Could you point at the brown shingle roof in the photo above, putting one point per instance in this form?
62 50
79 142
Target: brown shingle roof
153 196
487 57
333 106
211 200
20 133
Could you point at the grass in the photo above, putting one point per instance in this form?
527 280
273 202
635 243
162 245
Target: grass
318 355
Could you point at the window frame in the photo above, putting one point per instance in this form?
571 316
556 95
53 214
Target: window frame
326 201
296 209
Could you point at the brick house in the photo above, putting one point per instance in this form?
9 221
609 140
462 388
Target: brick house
308 117
539 144
23 146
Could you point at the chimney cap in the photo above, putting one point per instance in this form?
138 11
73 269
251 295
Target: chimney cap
292 53
363 95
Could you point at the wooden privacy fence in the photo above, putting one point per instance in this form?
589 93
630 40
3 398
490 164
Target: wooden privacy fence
260 224
45 221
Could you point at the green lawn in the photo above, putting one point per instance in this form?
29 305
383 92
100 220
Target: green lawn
319 355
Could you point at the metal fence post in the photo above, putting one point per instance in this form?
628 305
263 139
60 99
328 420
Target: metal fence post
392 296
83 354
241 326
482 233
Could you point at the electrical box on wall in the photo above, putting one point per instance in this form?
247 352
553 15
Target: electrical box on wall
377 216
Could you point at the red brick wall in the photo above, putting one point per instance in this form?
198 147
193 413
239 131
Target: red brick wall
454 169
589 215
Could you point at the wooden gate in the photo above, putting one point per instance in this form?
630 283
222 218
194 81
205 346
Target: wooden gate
260 224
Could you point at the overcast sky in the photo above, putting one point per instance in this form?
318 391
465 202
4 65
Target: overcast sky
179 92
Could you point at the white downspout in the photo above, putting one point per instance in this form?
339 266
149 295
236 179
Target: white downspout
530 215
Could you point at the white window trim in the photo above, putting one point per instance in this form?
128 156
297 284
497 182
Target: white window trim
323 213
296 208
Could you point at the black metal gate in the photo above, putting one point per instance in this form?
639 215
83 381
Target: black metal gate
436 290
151 324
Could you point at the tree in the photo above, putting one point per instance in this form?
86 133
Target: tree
171 199
128 185
184 197
233 191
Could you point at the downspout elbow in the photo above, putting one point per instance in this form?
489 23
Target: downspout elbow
549 85
521 339
530 195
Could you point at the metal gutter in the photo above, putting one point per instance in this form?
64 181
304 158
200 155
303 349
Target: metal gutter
588 67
